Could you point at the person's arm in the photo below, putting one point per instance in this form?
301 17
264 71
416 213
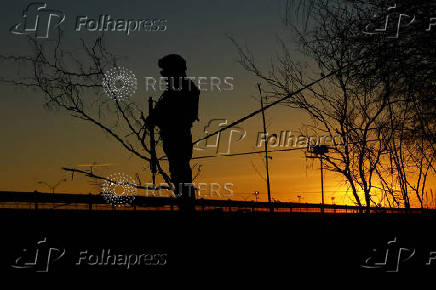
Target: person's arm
158 110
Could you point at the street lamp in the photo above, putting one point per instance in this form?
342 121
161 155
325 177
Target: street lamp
256 195
333 199
52 187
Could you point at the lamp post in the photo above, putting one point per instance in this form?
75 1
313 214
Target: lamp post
256 195
52 187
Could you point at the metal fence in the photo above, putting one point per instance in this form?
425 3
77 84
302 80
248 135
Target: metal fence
44 201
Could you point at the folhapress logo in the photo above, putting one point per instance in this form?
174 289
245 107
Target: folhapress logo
220 123
38 20
38 258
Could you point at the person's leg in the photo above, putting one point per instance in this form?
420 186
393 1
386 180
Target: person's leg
167 145
178 149
185 170
182 170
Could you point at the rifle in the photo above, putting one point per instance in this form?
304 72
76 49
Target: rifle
152 143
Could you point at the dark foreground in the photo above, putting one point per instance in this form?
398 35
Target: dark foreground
215 244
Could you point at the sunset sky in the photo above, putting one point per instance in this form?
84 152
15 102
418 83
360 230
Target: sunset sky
36 143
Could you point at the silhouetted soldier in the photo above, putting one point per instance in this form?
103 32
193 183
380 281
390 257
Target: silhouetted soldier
174 114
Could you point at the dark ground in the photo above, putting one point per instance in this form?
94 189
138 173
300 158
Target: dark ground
220 244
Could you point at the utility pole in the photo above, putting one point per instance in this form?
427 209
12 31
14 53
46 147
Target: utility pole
322 183
333 203
319 151
266 147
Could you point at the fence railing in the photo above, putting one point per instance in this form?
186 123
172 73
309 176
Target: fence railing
39 201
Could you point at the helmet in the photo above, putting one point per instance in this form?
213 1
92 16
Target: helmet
172 62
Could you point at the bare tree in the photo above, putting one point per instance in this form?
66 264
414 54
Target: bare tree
71 81
371 99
